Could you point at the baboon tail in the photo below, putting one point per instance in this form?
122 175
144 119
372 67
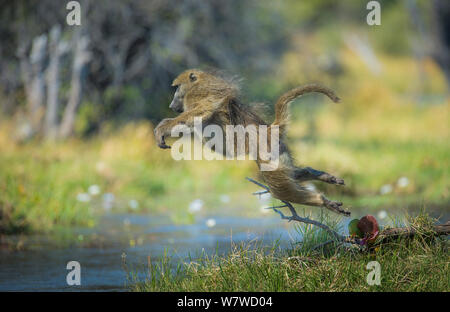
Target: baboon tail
282 105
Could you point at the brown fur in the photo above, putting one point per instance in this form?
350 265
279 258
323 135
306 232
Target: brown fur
217 101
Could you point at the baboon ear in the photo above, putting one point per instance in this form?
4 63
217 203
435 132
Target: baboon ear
192 77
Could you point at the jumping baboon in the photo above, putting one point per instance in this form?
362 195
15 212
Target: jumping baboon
217 100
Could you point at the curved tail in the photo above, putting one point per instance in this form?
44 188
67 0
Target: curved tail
282 105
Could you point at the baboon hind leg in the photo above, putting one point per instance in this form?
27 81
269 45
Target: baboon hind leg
335 206
308 173
310 198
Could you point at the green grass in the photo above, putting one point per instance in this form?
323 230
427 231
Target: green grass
38 193
421 264
375 164
40 182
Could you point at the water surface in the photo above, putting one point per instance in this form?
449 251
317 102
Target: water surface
101 251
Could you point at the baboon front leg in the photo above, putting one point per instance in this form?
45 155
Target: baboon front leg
308 173
164 128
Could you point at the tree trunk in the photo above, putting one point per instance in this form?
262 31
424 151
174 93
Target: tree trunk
56 50
441 36
32 70
81 59
37 96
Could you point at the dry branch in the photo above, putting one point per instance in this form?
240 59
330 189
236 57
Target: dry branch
409 232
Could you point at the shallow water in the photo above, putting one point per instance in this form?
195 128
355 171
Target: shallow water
135 236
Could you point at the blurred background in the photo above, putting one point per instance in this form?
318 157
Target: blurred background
78 105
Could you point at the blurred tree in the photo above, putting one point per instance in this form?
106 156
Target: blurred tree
137 47
81 58
32 68
441 36
57 48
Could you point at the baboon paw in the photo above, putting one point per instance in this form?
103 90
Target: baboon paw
337 207
332 179
163 145
160 140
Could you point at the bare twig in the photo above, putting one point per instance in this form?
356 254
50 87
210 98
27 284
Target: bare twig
296 217
259 184
260 192
273 207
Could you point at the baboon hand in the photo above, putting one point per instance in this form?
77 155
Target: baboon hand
162 144
161 140
160 134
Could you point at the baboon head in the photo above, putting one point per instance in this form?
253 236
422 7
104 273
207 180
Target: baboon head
185 83
196 87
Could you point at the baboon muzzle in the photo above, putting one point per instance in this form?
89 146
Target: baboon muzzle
176 105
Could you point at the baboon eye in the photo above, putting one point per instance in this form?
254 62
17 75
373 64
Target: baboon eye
192 77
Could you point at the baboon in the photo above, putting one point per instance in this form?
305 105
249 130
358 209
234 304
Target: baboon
217 100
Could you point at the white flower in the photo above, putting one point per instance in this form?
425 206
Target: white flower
264 199
94 189
126 222
83 197
133 204
210 223
385 189
224 198
382 214
100 166
107 205
108 197
195 206
403 182
108 201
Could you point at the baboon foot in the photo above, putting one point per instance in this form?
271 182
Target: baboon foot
326 177
335 206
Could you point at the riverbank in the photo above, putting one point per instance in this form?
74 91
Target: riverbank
420 264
